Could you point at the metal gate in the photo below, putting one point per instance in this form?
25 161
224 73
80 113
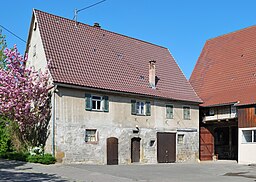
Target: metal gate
135 150
112 151
206 144
166 147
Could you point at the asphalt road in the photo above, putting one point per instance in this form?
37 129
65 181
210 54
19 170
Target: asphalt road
220 171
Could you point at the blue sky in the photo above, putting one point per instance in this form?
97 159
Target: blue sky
182 26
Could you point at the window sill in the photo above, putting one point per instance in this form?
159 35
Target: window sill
93 143
140 114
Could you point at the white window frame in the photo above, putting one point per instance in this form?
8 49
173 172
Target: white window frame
253 139
172 111
183 112
101 103
139 110
182 136
88 138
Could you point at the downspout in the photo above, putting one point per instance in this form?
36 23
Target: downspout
53 121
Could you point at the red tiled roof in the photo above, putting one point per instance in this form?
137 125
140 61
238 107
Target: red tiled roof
226 69
89 56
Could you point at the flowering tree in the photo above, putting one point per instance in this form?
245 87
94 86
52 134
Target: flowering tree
25 99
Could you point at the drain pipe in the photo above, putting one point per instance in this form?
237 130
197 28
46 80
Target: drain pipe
53 120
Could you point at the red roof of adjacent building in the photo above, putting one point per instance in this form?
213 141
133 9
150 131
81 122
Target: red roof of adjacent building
93 57
226 69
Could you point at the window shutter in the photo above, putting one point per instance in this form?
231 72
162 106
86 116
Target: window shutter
106 103
88 102
133 107
148 108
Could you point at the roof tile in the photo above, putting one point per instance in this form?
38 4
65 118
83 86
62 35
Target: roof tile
226 69
93 57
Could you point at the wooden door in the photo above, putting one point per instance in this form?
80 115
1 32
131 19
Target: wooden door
112 151
135 150
206 144
166 147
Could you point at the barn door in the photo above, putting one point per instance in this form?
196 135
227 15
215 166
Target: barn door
135 150
166 147
112 151
206 144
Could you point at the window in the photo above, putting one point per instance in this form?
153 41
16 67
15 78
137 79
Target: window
169 111
249 136
34 50
91 135
180 138
140 108
96 103
211 112
186 112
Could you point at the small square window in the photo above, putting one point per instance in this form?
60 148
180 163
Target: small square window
186 112
91 135
247 136
169 111
151 143
180 138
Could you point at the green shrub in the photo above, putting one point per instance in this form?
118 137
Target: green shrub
42 159
5 137
19 156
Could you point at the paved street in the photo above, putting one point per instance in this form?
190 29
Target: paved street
206 171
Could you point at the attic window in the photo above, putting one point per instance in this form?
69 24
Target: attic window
35 26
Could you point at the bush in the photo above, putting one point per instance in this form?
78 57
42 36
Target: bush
5 139
19 156
43 159
26 157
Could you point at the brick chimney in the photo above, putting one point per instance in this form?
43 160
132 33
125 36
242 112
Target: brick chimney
152 74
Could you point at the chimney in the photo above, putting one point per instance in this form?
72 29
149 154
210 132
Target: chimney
97 25
152 74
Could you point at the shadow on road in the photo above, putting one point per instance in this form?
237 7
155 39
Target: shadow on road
16 171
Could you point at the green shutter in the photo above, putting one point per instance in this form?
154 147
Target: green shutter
148 108
88 102
133 107
106 103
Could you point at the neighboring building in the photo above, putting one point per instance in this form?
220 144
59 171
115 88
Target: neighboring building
117 100
225 79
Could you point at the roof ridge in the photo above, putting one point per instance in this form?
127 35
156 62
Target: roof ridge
104 30
230 33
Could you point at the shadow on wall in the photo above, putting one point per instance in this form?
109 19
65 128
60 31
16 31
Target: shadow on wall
17 171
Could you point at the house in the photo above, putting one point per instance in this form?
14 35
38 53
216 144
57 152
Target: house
225 79
117 99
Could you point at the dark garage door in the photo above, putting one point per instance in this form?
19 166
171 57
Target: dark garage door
166 147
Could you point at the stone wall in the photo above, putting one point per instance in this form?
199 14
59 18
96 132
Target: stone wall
72 119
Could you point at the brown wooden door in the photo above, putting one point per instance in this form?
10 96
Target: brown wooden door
166 147
112 151
206 144
135 150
